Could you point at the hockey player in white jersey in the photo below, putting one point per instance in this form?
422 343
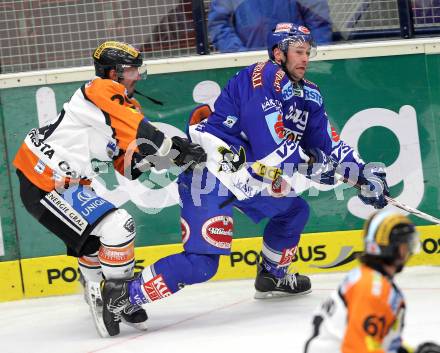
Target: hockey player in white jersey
102 121
366 313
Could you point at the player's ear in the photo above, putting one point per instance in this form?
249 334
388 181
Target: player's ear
278 55
112 75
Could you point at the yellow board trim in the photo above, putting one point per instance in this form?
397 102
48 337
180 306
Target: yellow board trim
10 281
317 253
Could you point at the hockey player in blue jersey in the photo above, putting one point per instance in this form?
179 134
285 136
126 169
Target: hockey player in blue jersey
268 123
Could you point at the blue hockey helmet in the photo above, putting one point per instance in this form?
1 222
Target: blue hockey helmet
285 34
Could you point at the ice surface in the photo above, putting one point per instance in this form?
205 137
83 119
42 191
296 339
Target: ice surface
211 317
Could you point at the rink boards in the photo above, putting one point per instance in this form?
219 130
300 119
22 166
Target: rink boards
317 253
375 106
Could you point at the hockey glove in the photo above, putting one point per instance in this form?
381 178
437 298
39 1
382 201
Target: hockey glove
188 154
428 347
321 167
374 187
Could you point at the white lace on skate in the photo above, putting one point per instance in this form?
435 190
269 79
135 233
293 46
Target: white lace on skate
289 279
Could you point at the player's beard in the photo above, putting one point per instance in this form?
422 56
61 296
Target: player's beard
289 74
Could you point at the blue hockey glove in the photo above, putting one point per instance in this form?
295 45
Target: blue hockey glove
374 187
322 169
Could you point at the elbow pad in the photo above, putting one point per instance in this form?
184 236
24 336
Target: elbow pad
151 141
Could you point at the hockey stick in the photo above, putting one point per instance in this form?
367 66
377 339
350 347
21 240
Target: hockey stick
398 204
389 199
155 101
354 184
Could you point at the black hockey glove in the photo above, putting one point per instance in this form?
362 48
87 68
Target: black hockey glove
374 187
322 169
189 154
428 347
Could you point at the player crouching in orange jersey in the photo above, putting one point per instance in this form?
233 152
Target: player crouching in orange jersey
366 312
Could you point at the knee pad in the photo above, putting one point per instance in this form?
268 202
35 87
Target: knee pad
116 254
116 228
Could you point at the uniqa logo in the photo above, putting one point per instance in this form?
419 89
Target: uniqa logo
85 197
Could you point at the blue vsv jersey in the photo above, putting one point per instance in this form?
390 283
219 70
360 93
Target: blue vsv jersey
274 120
261 108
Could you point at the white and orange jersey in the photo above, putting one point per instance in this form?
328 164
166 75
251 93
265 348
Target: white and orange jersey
98 123
364 315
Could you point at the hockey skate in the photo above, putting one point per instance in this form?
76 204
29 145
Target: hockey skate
92 295
82 281
117 307
268 286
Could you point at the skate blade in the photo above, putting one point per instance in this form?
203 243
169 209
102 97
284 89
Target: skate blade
278 294
141 326
94 300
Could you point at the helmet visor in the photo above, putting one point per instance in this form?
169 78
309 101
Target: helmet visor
297 42
134 72
414 242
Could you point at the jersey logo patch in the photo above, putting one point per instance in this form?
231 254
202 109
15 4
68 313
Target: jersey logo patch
335 136
257 75
64 211
270 103
185 230
230 121
231 162
275 124
287 257
87 203
312 95
278 77
156 288
217 231
287 91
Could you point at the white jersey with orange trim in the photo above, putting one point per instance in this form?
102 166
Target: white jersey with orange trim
100 122
365 314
